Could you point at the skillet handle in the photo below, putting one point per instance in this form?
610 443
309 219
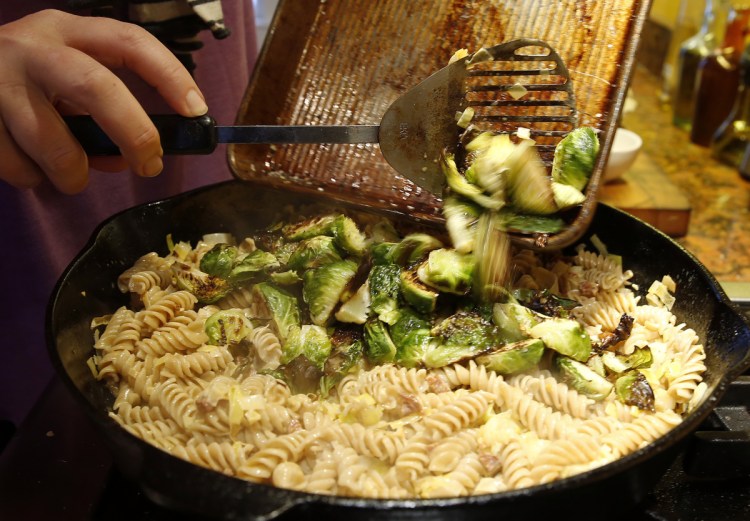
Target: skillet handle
179 135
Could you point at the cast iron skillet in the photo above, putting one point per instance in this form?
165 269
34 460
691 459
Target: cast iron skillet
87 289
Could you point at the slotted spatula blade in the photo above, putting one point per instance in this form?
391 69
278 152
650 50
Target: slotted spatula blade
521 83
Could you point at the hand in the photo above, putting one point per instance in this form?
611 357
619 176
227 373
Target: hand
52 63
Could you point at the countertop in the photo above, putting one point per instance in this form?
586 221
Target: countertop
719 229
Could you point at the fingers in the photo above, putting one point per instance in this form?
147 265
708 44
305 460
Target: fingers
118 45
42 142
17 168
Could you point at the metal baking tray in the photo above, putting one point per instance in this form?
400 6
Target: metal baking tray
345 61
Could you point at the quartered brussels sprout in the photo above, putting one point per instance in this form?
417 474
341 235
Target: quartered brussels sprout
281 307
346 356
412 249
285 278
513 358
574 158
322 288
320 225
219 260
379 346
461 336
583 379
632 388
252 264
411 336
309 340
461 186
206 288
448 270
357 308
416 293
461 219
566 336
514 320
227 327
348 235
384 284
313 253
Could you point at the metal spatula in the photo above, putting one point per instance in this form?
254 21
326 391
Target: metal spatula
521 83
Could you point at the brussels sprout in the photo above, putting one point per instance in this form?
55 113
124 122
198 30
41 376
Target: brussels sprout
583 379
491 166
322 288
379 346
566 336
641 357
384 283
544 302
251 264
514 358
413 248
382 252
448 270
595 364
281 307
348 235
574 158
566 196
514 320
219 260
320 225
632 388
493 259
227 327
621 332
416 293
309 340
343 360
357 308
384 231
411 336
461 186
461 222
313 253
206 288
301 375
285 278
461 336
283 251
530 224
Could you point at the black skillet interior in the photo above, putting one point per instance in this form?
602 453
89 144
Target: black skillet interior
87 289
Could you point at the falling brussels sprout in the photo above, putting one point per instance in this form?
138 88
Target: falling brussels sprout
227 327
322 288
461 186
461 219
574 158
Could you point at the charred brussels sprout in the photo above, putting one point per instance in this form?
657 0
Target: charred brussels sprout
565 336
412 248
379 346
545 302
313 253
448 270
250 265
309 340
384 284
411 336
632 388
227 327
461 336
281 307
514 358
416 293
583 379
321 225
346 356
574 158
219 260
206 288
322 288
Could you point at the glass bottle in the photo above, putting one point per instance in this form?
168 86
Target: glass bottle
684 26
692 51
733 136
718 78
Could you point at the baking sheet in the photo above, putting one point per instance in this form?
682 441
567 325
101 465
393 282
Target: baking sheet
345 61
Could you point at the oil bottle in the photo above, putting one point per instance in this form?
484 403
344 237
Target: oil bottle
733 136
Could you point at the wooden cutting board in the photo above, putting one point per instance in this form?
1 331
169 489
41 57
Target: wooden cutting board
646 192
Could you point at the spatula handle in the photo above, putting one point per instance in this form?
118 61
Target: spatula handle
179 135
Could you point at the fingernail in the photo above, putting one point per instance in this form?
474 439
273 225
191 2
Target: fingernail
196 104
153 167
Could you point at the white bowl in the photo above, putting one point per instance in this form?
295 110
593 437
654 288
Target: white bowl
625 148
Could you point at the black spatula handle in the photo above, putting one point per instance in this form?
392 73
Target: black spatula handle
179 135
